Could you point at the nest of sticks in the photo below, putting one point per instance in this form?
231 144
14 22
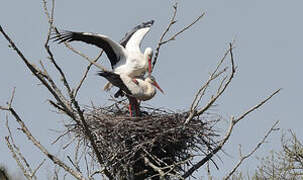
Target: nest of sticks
156 144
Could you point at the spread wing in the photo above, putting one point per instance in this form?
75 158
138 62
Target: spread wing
132 40
114 51
115 80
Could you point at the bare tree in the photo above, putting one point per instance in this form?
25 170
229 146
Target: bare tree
284 164
159 145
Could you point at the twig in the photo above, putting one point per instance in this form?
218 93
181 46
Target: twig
50 18
61 100
12 98
233 122
55 160
161 173
10 147
193 109
16 150
242 158
184 29
172 21
213 99
88 134
46 46
38 167
85 74
173 37
74 164
212 77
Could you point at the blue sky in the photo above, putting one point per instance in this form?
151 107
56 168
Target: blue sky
268 36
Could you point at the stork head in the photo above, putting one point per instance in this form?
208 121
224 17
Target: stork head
152 80
148 53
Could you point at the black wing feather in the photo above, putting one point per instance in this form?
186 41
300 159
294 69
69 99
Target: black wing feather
115 80
94 39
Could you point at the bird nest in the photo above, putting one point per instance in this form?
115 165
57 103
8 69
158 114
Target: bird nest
156 144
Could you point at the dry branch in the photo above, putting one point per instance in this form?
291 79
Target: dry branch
233 122
41 76
194 111
242 158
55 160
173 37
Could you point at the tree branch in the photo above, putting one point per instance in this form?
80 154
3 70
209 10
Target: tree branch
40 75
53 158
193 109
233 122
242 158
173 37
85 73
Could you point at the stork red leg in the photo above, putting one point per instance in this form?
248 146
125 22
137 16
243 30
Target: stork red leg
130 109
133 107
149 66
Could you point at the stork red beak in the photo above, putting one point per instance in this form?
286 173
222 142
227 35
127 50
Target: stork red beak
157 86
149 66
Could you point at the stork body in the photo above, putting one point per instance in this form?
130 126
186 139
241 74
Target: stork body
134 88
126 58
139 88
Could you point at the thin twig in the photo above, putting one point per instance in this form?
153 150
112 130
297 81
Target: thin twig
10 147
38 167
161 173
55 160
173 37
85 74
193 110
213 99
61 100
172 21
242 158
90 137
233 122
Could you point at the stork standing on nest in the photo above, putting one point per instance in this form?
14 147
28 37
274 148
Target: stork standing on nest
134 88
126 58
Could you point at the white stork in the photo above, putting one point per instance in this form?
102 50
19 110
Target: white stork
126 58
134 88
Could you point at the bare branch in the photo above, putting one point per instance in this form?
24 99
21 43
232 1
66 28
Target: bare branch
15 156
257 106
53 158
39 74
90 137
172 21
213 99
50 17
20 159
184 29
233 122
161 173
173 37
242 158
85 74
193 109
12 98
46 46
38 167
